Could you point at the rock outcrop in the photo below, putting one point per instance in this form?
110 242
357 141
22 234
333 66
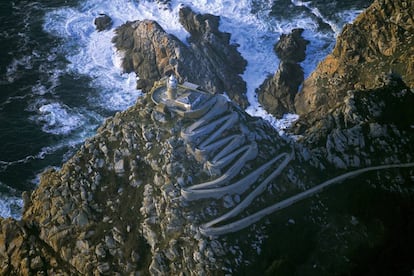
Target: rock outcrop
103 22
277 93
116 206
184 185
208 59
379 42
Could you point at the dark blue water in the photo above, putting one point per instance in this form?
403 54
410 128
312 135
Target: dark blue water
32 76
59 77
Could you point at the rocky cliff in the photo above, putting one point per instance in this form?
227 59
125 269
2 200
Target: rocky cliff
162 190
185 182
209 59
379 42
119 205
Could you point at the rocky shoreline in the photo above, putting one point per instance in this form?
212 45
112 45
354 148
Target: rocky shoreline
144 195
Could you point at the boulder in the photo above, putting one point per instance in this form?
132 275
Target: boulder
103 22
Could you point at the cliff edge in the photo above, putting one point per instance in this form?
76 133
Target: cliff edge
379 42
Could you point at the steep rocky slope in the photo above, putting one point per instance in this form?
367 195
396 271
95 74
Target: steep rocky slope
116 205
194 185
150 193
379 42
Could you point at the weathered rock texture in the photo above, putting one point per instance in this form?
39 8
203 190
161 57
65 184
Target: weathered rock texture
116 208
364 128
380 41
208 59
277 93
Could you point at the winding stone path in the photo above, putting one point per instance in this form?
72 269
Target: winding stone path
206 229
216 139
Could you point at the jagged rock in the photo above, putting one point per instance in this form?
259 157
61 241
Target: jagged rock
210 60
103 22
291 47
119 166
366 123
380 41
81 219
277 93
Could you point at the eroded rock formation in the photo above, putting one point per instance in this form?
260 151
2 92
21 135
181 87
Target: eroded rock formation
209 59
277 93
103 22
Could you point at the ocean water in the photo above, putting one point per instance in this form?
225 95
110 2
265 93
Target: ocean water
59 78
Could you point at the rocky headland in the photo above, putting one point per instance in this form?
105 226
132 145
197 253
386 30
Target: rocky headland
186 183
208 59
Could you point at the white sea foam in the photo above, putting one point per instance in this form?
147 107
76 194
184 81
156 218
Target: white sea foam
334 26
70 144
57 119
13 71
92 53
11 207
347 16
320 45
10 204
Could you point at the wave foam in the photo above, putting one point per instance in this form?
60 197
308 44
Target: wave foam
57 119
10 205
92 53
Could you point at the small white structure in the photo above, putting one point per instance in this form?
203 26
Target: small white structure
172 85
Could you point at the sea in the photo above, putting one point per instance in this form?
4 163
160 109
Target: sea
60 78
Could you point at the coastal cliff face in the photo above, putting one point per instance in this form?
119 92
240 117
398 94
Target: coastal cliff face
158 192
379 42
